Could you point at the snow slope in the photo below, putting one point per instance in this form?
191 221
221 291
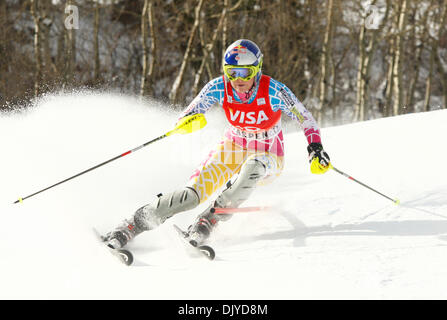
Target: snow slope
328 238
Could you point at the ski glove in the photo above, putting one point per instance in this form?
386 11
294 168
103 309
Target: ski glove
318 158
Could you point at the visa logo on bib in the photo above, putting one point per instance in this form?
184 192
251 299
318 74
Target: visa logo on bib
254 117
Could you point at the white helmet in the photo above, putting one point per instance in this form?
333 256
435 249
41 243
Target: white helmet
244 53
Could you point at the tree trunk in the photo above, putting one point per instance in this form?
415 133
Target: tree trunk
96 44
48 66
426 106
359 113
149 54
204 46
418 48
70 47
440 21
37 53
324 65
363 75
150 75
143 86
392 57
208 49
335 69
442 71
443 76
3 53
397 74
173 95
224 29
334 72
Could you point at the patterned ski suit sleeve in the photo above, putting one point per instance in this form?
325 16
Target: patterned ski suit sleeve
212 93
283 99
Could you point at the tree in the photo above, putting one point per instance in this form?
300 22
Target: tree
69 43
441 69
147 18
37 46
366 51
173 95
397 62
208 48
440 22
325 58
96 44
417 46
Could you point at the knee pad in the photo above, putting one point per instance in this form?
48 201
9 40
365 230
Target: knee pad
252 171
156 212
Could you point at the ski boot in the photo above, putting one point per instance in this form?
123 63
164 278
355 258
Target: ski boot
201 229
119 237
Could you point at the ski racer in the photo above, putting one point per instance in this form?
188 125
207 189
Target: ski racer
251 151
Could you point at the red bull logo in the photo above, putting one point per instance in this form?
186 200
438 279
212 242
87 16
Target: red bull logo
239 49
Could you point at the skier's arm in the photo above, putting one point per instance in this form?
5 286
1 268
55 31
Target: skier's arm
211 94
292 107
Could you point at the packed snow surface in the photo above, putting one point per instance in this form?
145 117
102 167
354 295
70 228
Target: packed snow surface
326 238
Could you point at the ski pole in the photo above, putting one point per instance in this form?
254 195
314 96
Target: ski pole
396 201
186 125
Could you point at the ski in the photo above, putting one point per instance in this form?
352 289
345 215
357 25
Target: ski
123 255
206 251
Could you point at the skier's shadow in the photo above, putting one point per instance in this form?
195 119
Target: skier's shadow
301 232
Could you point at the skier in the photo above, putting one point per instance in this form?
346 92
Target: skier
251 151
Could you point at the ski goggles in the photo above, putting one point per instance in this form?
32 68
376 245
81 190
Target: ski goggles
241 72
